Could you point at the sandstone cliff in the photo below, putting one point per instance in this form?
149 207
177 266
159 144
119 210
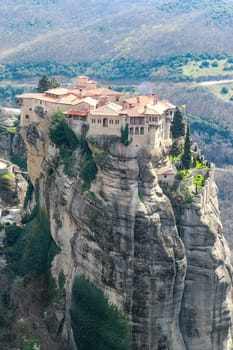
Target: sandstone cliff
163 262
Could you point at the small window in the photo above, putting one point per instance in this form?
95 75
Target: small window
27 116
142 131
93 121
131 131
136 131
30 109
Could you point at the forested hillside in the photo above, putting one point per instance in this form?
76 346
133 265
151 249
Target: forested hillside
72 31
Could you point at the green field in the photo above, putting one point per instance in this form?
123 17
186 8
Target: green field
208 68
222 91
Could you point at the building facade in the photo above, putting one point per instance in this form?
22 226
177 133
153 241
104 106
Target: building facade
103 110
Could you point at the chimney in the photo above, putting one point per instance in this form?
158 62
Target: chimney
138 100
155 100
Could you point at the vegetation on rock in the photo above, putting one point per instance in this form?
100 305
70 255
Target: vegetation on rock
60 133
95 323
30 247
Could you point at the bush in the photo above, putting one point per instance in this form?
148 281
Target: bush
20 161
214 64
204 64
28 195
224 90
95 323
13 232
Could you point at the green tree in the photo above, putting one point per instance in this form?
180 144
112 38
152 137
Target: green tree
60 133
45 83
125 135
178 126
176 148
186 158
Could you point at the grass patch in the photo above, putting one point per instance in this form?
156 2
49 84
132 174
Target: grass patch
197 69
8 176
11 130
217 90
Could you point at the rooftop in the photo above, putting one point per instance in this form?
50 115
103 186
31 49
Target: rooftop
110 109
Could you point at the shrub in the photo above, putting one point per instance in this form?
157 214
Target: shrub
199 181
28 195
20 161
32 344
12 234
95 323
224 90
204 64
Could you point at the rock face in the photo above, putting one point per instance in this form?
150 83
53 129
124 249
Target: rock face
206 313
165 265
11 143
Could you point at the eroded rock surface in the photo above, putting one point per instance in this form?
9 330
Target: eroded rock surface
171 276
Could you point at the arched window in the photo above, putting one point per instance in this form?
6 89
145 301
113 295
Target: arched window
131 131
136 131
142 130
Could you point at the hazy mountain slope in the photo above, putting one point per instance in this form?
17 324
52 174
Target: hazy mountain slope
96 30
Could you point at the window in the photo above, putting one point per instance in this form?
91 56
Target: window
116 121
131 131
93 121
142 131
30 109
136 131
27 116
